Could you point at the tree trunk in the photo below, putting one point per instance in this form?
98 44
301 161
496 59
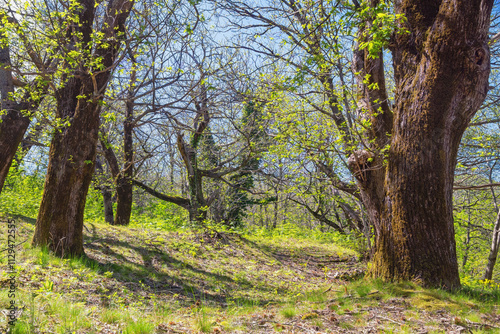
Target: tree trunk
416 239
124 200
13 124
124 186
261 216
122 178
467 241
198 210
198 205
495 246
107 196
73 148
495 238
71 164
275 216
441 76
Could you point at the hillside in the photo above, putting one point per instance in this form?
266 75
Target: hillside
141 280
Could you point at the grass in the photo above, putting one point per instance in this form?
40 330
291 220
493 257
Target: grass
139 279
111 316
139 327
288 312
203 321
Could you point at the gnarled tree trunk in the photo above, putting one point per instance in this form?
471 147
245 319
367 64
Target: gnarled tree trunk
441 70
71 165
73 148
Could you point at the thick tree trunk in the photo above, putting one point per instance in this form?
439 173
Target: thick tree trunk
441 76
71 159
71 164
73 148
416 239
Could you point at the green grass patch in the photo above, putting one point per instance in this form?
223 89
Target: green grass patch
141 279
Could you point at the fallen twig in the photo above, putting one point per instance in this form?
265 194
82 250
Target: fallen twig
478 324
330 289
389 319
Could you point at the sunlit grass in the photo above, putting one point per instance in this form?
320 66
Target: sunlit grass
288 312
138 280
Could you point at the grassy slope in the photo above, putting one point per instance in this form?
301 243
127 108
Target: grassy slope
137 280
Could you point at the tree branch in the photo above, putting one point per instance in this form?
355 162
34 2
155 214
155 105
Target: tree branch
183 202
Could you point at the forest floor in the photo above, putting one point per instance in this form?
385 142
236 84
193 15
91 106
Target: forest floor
138 280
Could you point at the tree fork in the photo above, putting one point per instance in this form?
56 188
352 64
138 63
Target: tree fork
73 148
441 73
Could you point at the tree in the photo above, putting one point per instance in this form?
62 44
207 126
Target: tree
441 69
495 246
89 55
123 176
476 191
150 65
195 154
231 207
100 183
404 163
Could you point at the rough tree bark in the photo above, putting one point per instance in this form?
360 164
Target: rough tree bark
405 171
73 148
441 70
